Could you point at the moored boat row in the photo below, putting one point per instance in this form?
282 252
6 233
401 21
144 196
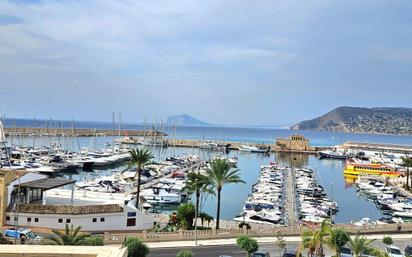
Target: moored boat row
265 204
314 206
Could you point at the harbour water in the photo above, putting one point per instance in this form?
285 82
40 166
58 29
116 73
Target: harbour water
329 172
235 134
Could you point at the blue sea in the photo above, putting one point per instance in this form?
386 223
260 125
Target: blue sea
231 134
329 172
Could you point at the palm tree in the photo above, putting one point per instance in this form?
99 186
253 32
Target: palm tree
336 240
407 162
307 243
313 240
205 217
69 237
359 244
139 157
221 173
197 183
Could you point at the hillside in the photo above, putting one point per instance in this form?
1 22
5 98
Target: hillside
388 120
185 120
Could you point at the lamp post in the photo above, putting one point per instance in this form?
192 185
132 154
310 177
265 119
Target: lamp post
196 212
331 195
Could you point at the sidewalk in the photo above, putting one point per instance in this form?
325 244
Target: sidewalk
261 240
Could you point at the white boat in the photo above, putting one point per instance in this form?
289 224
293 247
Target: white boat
313 219
160 196
403 214
251 149
363 222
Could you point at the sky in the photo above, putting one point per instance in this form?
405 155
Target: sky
227 62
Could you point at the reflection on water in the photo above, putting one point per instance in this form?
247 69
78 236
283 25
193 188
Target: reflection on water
295 160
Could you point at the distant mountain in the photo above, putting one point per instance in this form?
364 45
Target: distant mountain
387 120
185 120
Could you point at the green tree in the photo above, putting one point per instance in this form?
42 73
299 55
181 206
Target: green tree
387 240
198 184
281 242
221 173
184 253
139 158
69 237
247 244
136 248
407 162
337 239
359 244
185 215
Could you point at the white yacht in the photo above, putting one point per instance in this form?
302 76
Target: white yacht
160 196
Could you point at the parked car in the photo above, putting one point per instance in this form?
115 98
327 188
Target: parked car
345 252
288 254
260 254
22 233
408 250
394 251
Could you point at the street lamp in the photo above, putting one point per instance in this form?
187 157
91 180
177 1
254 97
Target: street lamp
196 212
331 195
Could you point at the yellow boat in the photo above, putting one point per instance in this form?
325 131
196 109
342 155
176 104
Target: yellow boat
354 169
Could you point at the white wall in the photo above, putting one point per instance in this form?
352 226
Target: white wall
113 221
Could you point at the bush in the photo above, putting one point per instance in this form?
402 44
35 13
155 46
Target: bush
4 241
243 224
185 215
387 240
92 241
136 248
184 253
247 244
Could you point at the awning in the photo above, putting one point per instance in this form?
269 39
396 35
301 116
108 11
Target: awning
47 183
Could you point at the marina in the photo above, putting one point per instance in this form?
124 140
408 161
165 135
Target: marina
282 189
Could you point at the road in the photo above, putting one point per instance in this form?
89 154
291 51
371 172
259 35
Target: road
234 251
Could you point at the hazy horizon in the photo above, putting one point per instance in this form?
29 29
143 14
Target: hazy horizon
230 63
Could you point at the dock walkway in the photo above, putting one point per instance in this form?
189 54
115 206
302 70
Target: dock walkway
290 198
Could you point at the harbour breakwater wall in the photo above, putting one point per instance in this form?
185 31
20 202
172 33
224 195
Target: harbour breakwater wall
81 132
173 142
236 145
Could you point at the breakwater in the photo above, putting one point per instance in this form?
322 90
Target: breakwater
78 132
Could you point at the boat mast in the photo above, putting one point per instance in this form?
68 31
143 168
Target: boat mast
113 134
120 121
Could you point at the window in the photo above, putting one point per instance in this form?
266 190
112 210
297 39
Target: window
131 214
7 218
28 219
131 222
68 221
94 219
36 219
101 219
60 220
